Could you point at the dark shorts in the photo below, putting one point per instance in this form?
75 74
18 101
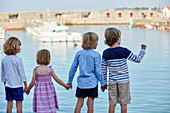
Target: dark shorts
83 93
14 93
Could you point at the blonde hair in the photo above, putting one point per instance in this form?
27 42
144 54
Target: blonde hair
112 35
89 40
12 46
43 57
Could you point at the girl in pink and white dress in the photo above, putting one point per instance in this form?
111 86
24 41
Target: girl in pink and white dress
45 98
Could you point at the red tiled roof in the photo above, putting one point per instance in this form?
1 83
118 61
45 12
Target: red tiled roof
168 7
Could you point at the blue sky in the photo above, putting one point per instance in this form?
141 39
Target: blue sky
54 5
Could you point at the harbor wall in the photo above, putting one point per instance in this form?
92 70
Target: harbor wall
21 20
153 22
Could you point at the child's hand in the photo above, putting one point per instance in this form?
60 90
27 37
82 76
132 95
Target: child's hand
68 86
104 87
25 88
27 91
143 46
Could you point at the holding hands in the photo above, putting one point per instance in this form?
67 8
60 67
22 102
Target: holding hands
104 87
27 91
68 86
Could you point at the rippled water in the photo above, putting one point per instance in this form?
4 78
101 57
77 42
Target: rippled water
150 80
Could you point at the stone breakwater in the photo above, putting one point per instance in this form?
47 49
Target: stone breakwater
21 20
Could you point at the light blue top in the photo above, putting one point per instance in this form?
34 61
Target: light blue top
90 69
12 71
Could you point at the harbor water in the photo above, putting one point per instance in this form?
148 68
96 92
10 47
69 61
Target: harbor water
149 80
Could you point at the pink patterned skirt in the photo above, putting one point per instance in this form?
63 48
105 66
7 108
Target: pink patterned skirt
45 98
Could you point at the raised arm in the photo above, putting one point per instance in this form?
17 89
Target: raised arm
58 80
137 58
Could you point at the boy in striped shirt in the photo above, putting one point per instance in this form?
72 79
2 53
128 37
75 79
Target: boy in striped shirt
115 59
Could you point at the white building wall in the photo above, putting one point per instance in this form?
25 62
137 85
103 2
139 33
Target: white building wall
166 12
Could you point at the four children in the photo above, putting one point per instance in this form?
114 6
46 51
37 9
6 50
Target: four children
91 70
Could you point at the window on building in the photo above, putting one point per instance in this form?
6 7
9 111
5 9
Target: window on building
120 14
58 15
131 14
86 15
108 15
151 14
41 16
15 16
143 14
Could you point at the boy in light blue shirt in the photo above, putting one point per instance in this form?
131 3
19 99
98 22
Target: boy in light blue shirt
90 72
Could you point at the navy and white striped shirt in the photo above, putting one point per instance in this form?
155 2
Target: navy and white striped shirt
115 59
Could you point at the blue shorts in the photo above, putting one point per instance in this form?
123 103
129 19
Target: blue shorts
14 93
83 93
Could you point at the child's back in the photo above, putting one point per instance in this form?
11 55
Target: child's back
90 72
13 74
115 59
12 68
88 61
45 97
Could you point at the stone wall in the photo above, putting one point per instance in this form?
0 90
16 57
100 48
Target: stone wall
23 19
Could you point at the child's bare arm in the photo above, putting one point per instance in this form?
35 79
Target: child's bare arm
59 81
32 83
70 85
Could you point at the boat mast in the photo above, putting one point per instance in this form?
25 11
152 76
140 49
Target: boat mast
158 5
48 15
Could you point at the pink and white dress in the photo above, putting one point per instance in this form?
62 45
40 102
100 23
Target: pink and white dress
45 98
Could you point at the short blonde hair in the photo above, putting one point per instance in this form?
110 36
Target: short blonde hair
12 46
112 35
43 57
89 40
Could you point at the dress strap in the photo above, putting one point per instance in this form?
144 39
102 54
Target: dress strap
50 68
36 69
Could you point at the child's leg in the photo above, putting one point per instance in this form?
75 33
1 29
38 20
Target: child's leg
19 106
112 108
124 96
90 103
9 106
123 108
80 102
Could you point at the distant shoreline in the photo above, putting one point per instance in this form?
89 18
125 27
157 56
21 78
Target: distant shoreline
122 16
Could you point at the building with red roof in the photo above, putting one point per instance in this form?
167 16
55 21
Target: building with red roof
166 11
